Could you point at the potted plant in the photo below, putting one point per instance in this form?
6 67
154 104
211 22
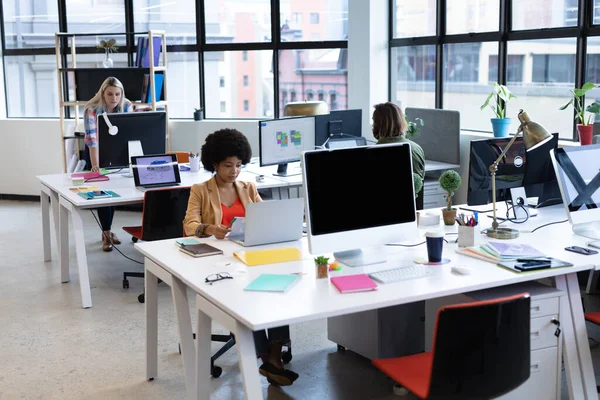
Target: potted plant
449 181
198 114
418 184
501 95
584 127
322 264
413 126
109 46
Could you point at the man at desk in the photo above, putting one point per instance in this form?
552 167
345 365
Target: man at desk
390 126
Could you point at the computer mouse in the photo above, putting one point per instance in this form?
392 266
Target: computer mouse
461 270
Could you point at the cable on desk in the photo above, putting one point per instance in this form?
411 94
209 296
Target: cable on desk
406 245
114 245
547 201
517 220
550 223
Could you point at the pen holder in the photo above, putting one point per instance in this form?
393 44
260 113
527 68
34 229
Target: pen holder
467 235
194 164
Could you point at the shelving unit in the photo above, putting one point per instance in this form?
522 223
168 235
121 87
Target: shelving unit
67 40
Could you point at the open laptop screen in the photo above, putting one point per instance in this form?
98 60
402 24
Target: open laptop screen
158 169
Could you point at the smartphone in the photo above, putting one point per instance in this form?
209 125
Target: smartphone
532 266
98 193
581 250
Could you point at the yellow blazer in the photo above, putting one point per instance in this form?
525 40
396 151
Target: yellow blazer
204 206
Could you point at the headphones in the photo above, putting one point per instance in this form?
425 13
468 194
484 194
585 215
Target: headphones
112 130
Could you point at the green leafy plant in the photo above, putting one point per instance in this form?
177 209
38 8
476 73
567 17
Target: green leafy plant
321 260
418 183
578 102
450 181
501 95
110 45
414 126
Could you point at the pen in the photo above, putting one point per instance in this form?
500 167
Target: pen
537 260
230 224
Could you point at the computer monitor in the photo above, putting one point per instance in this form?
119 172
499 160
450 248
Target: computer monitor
337 124
149 127
282 141
531 169
578 171
346 142
355 236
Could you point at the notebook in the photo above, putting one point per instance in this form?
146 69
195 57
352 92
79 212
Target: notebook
268 256
354 283
511 250
186 242
273 283
200 250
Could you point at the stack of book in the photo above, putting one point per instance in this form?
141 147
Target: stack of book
497 252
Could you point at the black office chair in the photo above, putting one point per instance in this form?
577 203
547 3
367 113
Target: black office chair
162 218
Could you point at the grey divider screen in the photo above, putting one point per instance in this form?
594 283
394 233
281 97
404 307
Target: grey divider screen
440 135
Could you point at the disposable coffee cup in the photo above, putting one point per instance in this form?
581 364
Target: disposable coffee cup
194 164
435 244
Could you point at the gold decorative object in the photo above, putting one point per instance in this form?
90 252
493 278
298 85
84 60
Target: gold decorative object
533 135
303 108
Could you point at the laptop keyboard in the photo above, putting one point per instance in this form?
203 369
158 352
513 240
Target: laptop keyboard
404 273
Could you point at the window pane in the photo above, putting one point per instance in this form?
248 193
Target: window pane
314 21
596 15
467 81
252 101
413 76
237 21
183 92
545 83
415 18
302 73
29 23
593 71
95 16
31 90
176 17
536 14
463 16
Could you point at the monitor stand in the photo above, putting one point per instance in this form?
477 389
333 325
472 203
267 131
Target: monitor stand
588 229
360 258
282 171
134 148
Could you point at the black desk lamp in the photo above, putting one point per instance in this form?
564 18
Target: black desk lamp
534 135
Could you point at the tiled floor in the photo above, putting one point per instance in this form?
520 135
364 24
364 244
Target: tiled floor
51 348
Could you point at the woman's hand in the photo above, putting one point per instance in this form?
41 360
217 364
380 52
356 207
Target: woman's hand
218 231
95 169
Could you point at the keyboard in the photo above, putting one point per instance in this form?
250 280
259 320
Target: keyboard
404 273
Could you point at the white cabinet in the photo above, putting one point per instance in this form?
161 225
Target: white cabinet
433 194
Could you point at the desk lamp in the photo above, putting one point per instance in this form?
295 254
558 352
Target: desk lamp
534 135
305 108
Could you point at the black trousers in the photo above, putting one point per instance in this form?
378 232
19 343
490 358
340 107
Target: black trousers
263 338
105 214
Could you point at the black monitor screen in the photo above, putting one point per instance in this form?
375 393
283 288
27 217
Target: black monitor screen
149 127
519 167
338 123
367 190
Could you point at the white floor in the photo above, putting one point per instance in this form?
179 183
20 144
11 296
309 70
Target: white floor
51 348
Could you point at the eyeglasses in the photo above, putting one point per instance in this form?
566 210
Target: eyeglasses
217 277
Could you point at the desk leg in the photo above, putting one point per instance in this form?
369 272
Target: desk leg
203 354
151 303
592 282
45 203
63 241
578 359
80 253
247 359
186 338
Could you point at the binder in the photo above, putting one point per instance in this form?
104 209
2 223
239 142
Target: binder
270 256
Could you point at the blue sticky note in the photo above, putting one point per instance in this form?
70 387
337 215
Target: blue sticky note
272 282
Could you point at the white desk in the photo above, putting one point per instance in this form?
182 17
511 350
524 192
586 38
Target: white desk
55 195
243 312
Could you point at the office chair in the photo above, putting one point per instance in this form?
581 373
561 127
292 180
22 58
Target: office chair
593 317
162 218
481 350
182 156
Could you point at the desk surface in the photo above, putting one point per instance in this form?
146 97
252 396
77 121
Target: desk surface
125 188
315 298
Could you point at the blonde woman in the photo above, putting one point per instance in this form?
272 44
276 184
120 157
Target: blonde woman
110 99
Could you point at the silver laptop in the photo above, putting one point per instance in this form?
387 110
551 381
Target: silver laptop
272 221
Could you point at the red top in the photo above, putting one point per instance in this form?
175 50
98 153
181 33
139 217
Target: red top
236 210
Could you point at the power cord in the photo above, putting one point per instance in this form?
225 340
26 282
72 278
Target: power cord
418 244
550 223
114 245
547 201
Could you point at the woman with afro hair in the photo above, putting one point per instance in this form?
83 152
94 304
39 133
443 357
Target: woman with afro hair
213 205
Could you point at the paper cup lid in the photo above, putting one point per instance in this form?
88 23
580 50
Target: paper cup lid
434 234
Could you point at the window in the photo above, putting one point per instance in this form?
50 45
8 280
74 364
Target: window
246 105
297 18
223 107
333 104
284 97
481 16
222 81
184 84
175 17
310 71
527 14
554 68
514 68
87 16
245 80
29 23
245 55
314 18
414 18
326 20
321 95
413 76
236 21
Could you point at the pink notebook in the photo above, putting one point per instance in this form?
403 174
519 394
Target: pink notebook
354 283
90 176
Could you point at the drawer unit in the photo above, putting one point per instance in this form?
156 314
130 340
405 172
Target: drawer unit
542 333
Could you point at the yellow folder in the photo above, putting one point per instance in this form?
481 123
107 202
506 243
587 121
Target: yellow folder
270 256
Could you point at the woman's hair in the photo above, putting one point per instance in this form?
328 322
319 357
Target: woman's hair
388 121
97 102
222 144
